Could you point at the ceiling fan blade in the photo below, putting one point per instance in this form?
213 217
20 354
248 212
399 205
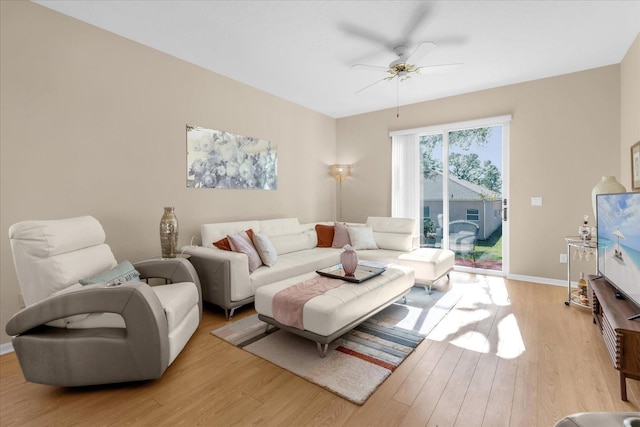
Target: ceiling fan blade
369 67
372 84
442 68
420 51
365 34
417 20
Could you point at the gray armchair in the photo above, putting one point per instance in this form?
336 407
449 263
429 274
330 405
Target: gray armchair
108 332
463 236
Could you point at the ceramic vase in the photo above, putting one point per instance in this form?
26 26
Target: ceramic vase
607 185
169 233
349 260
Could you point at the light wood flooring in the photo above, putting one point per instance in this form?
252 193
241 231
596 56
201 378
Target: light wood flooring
509 354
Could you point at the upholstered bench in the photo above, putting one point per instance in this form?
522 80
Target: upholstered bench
327 316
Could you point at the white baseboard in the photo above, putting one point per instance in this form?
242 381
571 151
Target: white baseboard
543 280
6 348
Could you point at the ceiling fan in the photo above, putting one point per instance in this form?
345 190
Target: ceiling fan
408 54
402 69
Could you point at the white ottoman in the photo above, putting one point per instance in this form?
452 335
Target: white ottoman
330 315
429 264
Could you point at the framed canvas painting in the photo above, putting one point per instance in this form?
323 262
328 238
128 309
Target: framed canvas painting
219 159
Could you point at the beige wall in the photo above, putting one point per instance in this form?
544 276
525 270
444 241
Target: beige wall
630 108
565 134
92 123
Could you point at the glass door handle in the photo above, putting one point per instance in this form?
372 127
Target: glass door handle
504 210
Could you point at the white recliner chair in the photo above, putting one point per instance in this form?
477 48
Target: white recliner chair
88 320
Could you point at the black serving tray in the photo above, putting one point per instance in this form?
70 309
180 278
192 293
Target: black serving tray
362 273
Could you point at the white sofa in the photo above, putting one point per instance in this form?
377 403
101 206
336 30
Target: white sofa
227 282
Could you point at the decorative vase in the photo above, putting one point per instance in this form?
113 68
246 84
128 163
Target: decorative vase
349 260
169 233
607 185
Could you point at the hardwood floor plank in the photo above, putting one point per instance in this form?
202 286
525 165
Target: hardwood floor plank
498 411
430 393
524 410
420 374
449 404
477 397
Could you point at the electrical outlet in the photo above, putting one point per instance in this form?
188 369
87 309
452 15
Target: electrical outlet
563 258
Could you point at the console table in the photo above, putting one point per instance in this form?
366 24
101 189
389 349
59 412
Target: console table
621 336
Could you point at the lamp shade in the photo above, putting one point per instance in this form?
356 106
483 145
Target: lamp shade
340 172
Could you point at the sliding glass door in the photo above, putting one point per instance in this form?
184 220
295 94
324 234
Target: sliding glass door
462 188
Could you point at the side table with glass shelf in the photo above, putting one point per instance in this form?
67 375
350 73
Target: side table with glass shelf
586 248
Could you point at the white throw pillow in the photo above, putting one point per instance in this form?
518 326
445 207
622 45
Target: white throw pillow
265 249
362 238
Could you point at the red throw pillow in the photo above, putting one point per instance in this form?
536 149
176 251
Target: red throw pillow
325 235
224 242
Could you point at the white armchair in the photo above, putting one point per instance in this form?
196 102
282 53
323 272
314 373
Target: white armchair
114 330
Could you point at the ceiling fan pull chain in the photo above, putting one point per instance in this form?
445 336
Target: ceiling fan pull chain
397 98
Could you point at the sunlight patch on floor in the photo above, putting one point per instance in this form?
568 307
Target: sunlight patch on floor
482 320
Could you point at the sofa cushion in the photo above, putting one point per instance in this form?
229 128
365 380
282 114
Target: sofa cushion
224 242
53 258
241 242
295 264
266 250
177 300
340 236
285 244
325 235
362 238
280 226
213 232
396 234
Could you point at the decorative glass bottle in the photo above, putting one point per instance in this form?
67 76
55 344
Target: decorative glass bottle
169 233
582 290
349 260
584 230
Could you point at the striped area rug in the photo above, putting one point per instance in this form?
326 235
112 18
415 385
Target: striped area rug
359 361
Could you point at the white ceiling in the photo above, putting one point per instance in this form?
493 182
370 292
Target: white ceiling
303 51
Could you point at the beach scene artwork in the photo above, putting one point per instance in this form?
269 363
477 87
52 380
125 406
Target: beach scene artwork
619 241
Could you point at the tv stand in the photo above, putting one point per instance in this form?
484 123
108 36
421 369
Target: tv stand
621 335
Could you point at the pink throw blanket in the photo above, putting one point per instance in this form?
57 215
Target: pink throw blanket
288 304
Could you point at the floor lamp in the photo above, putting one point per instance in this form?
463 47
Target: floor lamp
340 172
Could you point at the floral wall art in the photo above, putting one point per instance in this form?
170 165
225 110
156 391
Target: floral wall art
219 159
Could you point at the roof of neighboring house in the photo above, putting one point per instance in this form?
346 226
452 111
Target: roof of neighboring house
459 189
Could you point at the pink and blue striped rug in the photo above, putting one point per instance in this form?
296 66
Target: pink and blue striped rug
359 361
